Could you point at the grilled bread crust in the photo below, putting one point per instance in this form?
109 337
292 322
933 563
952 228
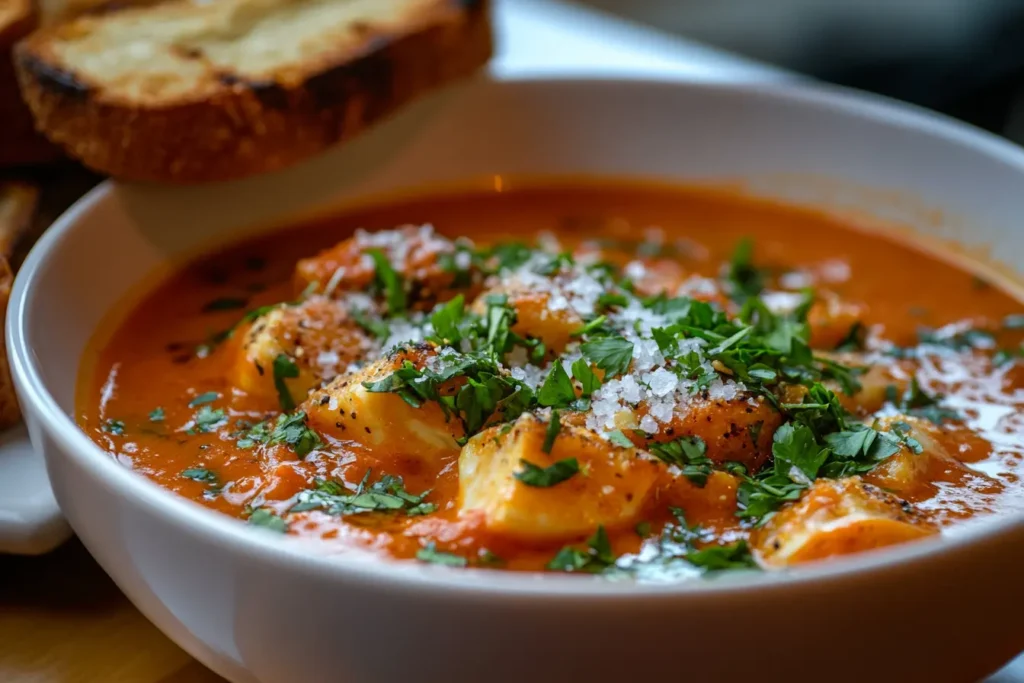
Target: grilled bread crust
17 206
19 143
178 91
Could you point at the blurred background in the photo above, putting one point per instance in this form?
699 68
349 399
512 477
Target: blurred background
961 57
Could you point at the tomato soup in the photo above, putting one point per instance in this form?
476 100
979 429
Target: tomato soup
613 379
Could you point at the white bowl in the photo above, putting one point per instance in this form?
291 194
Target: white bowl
260 608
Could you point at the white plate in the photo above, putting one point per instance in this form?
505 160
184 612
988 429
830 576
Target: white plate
261 608
30 521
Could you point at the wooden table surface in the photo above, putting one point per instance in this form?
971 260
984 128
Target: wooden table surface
62 620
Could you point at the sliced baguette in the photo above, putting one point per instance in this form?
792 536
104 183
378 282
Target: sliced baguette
187 91
19 143
17 206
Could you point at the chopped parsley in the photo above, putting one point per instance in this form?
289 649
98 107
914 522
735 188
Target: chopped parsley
266 519
375 326
284 368
204 349
225 304
115 427
200 474
207 419
289 429
956 340
687 547
1014 322
557 389
389 282
592 326
919 403
619 439
613 354
589 381
596 558
486 391
446 320
486 558
551 433
745 280
500 317
387 494
157 414
855 338
689 454
203 399
818 442
430 554
544 477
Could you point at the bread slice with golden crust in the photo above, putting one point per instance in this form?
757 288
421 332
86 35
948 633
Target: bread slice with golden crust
17 18
188 91
17 206
19 142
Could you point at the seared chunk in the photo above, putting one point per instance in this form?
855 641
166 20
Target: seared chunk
922 461
608 489
541 313
831 319
429 265
735 430
738 429
346 409
880 380
837 517
317 337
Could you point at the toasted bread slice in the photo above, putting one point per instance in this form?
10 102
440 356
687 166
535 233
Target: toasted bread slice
17 18
17 205
186 91
19 143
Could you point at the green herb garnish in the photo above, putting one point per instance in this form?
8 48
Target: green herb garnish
689 454
389 282
204 398
588 380
387 494
225 304
595 559
544 477
200 474
288 429
619 439
557 390
430 554
266 519
207 419
284 368
551 433
115 427
919 403
612 354
744 278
